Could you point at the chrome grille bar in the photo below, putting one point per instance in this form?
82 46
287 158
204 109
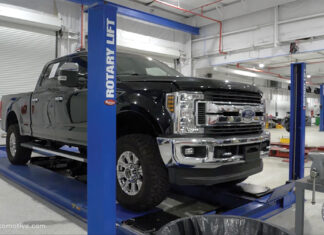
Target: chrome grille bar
213 113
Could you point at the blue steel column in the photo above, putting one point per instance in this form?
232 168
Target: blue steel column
321 125
102 120
297 121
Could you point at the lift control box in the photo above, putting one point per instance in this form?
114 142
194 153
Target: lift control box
317 166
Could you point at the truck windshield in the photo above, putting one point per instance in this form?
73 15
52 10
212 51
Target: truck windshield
135 65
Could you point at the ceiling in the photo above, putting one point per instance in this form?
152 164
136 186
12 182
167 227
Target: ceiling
277 67
193 5
280 66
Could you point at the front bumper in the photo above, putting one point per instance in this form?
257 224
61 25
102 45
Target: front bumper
225 159
172 154
210 176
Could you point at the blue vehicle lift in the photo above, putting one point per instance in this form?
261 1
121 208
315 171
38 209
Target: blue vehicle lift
321 125
71 195
95 202
297 121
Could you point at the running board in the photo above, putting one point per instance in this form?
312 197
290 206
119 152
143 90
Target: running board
56 152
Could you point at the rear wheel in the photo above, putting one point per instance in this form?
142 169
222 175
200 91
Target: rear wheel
142 179
17 154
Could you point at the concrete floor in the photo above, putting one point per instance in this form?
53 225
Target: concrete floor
275 173
22 209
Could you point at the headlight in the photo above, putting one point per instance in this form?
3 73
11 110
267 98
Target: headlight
263 101
181 106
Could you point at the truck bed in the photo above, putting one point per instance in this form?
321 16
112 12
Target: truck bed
20 104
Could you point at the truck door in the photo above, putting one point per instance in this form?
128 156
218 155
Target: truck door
42 103
71 105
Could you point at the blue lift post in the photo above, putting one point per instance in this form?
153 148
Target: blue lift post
321 124
102 120
297 121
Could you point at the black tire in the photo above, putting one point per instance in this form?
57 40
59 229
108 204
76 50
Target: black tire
21 155
155 181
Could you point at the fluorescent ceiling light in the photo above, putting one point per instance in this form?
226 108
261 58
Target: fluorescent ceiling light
309 76
261 65
244 73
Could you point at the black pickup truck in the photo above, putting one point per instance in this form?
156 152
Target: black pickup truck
170 129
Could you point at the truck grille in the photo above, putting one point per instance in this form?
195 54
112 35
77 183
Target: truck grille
234 96
201 113
225 130
230 113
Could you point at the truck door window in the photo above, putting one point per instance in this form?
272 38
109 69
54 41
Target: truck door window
50 75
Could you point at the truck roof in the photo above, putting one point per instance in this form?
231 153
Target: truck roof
85 53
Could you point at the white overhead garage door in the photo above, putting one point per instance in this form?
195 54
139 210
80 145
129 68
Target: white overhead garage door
23 53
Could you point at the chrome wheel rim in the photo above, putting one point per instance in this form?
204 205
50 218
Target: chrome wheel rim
12 144
129 173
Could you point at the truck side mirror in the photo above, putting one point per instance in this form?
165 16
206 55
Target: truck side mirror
69 75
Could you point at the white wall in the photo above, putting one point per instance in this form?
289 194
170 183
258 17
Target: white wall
278 100
133 35
67 13
146 38
251 34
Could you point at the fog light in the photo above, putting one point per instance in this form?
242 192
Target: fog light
189 151
194 151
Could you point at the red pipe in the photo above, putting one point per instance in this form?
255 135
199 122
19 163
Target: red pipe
261 71
200 15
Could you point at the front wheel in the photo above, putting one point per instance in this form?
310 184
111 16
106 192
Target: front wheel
142 179
17 154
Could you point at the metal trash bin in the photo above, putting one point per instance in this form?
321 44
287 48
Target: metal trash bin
220 225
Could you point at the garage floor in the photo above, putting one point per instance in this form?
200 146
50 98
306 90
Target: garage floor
26 213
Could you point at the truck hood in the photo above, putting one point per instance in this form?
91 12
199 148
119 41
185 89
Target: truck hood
194 84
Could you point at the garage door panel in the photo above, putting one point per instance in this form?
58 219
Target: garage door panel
23 54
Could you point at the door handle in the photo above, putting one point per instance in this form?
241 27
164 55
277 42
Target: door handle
35 100
59 98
